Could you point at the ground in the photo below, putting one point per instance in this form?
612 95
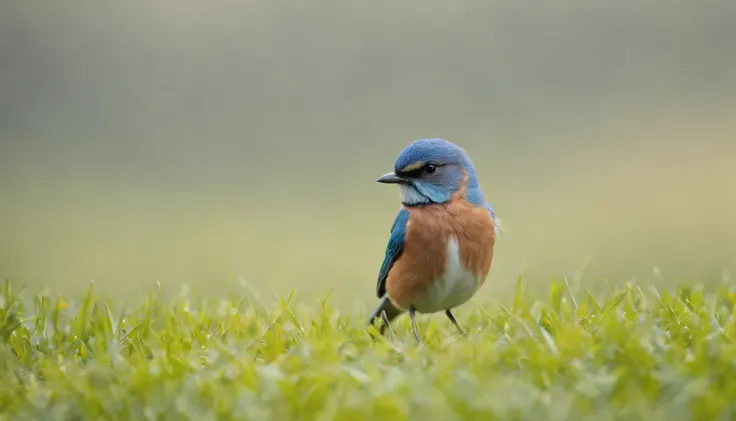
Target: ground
637 353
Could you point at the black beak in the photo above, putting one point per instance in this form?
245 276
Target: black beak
391 178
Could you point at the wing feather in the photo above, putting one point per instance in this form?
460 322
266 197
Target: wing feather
394 248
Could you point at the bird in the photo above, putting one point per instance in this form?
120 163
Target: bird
442 240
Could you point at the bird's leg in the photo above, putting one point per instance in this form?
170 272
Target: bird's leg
452 319
385 323
412 311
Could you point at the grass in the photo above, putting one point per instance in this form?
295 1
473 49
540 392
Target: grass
637 353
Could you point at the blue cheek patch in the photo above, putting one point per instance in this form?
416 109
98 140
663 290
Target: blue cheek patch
411 196
435 193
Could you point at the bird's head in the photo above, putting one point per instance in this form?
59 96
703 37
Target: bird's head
431 171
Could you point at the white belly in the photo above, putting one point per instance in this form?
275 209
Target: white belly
453 289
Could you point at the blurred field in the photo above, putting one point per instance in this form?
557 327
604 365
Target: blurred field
220 153
637 353
182 142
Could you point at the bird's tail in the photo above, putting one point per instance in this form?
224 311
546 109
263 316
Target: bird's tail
389 308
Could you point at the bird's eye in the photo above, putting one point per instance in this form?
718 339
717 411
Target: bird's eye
430 168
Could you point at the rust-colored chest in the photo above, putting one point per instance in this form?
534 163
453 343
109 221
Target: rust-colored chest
425 257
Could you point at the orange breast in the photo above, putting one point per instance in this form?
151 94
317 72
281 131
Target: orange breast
425 249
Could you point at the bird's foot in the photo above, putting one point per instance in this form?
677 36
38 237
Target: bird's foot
386 323
412 312
452 319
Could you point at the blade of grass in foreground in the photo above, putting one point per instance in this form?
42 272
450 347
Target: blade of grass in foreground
634 353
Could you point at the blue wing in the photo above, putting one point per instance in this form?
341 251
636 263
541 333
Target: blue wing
393 249
496 221
490 209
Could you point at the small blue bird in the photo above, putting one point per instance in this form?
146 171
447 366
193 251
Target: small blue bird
442 240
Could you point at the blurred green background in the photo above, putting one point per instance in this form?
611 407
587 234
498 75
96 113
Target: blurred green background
189 142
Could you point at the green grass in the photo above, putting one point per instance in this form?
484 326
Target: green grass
636 354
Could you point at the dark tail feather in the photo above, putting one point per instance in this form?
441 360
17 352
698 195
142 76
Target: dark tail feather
384 306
